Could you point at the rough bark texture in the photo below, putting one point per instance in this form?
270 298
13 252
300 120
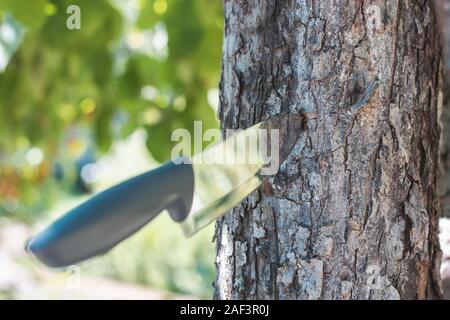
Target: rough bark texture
352 213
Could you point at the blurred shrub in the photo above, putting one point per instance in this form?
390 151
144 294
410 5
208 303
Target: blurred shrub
161 257
66 95
134 63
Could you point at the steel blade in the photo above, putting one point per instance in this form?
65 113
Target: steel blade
229 171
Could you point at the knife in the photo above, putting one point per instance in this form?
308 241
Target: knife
217 179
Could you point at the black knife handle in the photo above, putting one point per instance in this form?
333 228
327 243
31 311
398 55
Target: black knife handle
113 215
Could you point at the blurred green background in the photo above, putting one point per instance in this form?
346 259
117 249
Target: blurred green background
83 109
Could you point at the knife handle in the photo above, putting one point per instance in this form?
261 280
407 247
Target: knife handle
114 214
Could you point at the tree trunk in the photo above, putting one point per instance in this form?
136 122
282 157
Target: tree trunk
352 213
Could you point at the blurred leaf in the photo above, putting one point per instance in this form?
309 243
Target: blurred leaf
11 35
30 13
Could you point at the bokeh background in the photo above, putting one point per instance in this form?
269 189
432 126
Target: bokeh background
81 110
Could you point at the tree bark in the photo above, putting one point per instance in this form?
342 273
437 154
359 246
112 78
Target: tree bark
353 212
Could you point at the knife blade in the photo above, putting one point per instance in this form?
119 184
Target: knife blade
232 181
218 179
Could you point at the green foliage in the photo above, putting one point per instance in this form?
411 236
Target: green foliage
162 259
60 79
30 13
150 68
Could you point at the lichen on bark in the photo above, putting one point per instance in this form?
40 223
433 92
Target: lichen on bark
352 213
